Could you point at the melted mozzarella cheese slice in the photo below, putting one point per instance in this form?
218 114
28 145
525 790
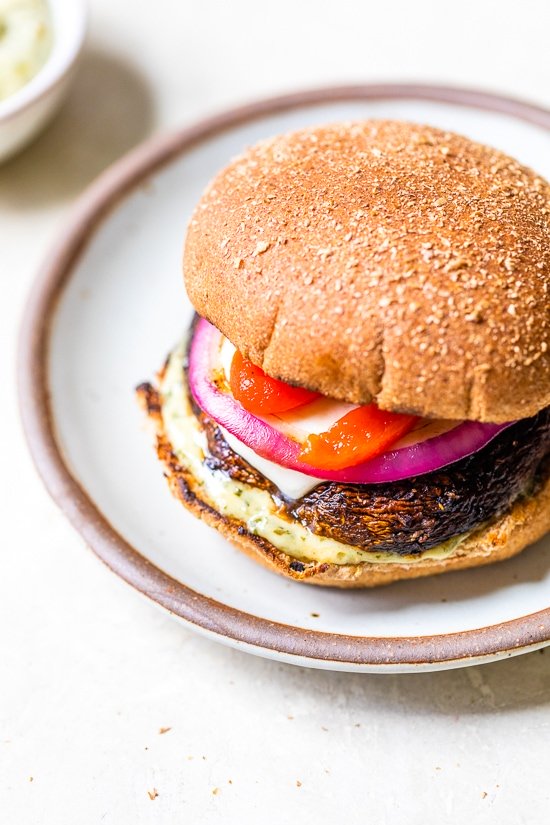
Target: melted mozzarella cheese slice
227 351
291 483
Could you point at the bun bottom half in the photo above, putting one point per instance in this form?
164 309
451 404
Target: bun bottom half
523 524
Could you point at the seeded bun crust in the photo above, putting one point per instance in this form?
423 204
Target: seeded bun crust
382 260
526 522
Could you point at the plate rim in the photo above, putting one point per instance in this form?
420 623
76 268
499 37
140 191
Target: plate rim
226 623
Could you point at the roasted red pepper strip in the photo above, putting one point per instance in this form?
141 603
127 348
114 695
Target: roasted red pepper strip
259 393
360 435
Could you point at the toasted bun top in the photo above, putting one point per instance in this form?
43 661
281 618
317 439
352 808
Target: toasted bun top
382 260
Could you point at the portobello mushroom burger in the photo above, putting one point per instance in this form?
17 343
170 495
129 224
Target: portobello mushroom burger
364 393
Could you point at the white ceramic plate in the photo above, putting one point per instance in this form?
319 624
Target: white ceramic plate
108 307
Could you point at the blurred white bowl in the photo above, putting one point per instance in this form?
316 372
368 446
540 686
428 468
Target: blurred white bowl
24 113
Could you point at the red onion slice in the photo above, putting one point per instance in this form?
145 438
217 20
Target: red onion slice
267 441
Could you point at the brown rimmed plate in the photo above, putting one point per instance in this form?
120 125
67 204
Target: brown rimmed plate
106 308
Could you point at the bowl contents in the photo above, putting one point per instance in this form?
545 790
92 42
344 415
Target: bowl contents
25 42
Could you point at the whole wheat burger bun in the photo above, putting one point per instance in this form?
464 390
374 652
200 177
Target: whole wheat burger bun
382 261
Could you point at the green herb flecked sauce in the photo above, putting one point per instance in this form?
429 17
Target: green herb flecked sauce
25 42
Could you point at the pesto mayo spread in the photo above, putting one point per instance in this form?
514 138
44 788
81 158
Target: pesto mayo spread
25 42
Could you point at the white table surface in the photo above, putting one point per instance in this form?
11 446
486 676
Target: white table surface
90 673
